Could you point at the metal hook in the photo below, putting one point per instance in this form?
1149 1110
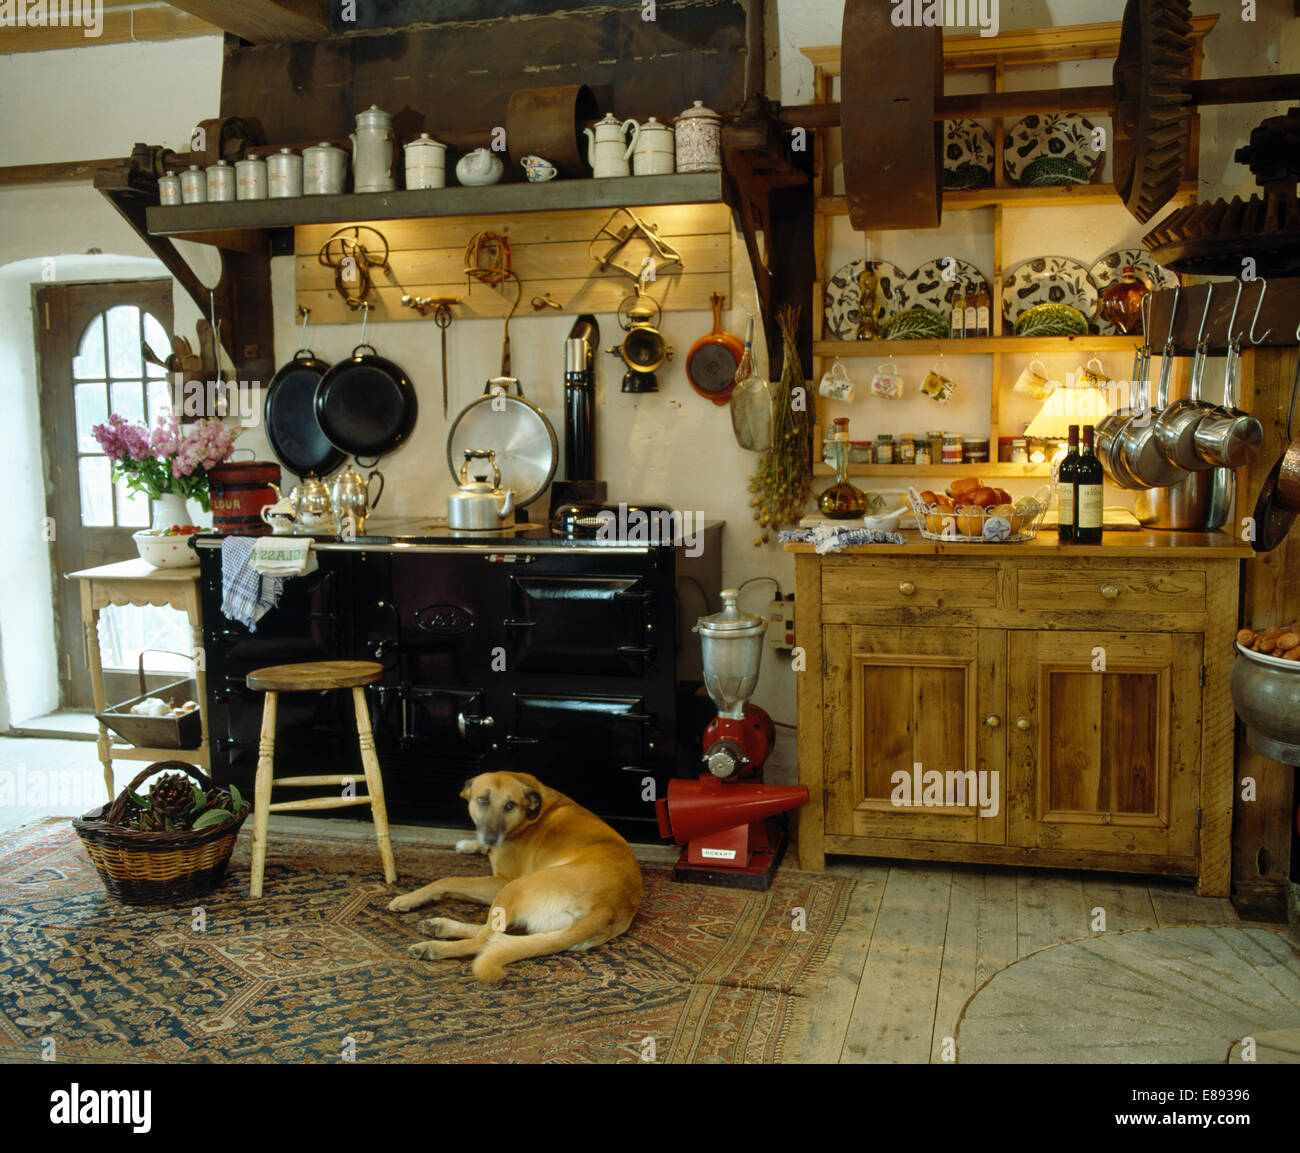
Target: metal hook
1201 342
1258 305
1232 319
366 306
305 313
1173 309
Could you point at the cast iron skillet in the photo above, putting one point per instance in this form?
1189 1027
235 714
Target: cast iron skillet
365 405
290 415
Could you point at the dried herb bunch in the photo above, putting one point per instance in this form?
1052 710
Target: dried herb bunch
783 480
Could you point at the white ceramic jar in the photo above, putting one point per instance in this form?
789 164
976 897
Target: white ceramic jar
221 182
374 153
699 140
426 162
169 190
323 170
250 179
284 174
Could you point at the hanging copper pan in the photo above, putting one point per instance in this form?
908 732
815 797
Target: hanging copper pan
711 364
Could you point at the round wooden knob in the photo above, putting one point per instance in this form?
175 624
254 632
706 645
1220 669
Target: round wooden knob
907 588
1022 723
1110 592
992 721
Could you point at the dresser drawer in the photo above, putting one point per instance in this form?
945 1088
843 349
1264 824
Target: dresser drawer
905 583
1131 589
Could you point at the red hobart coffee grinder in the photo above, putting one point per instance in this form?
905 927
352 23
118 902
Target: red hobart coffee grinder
724 818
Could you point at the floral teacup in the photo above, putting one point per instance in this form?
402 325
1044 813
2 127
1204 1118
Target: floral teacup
537 169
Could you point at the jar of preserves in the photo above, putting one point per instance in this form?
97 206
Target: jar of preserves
951 448
936 445
1019 450
906 451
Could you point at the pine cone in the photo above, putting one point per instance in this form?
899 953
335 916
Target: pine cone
172 798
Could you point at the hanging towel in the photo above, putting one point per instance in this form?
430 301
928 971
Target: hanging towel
246 595
284 557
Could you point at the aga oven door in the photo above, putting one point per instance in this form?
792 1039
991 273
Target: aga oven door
599 750
574 623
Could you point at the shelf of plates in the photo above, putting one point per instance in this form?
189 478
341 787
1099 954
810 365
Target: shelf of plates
993 57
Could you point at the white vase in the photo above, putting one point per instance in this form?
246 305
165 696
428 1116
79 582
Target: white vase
170 509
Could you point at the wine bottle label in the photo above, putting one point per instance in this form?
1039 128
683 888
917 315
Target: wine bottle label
1090 506
1067 504
972 319
982 320
958 320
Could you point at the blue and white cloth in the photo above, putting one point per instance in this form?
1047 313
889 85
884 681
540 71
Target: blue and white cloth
832 538
246 595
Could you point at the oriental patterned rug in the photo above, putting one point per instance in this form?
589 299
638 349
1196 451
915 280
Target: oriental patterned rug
317 971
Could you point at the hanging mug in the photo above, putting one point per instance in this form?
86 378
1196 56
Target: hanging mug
1033 381
937 385
886 381
836 385
1091 375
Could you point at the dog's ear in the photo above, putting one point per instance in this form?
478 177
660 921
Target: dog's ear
532 804
467 789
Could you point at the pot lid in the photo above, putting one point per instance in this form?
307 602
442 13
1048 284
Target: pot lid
731 621
698 111
374 117
518 433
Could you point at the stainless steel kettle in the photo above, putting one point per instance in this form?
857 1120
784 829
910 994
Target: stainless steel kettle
311 503
478 504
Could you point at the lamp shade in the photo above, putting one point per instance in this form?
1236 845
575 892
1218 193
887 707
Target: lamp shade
1067 406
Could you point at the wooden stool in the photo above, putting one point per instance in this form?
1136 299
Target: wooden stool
316 676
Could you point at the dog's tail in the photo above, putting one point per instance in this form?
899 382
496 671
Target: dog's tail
504 949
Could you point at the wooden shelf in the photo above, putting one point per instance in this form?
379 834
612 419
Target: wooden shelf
986 469
496 199
973 346
967 199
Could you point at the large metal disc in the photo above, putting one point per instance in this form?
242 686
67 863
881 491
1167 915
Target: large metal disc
891 79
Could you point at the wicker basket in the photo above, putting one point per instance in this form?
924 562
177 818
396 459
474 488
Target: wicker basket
157 868
977 526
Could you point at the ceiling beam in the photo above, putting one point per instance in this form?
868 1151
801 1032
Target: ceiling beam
120 25
264 21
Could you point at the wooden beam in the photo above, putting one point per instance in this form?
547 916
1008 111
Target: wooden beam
264 21
141 24
56 172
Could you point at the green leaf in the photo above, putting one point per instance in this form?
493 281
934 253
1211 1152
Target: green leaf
200 799
236 800
136 799
210 818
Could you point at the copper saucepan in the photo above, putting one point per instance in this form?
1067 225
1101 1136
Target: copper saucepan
712 361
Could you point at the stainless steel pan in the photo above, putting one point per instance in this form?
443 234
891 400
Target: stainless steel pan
1136 447
1176 425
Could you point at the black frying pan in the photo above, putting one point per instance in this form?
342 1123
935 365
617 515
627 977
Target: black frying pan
290 416
365 405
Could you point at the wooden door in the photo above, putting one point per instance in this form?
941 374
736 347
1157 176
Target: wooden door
1104 745
914 735
88 339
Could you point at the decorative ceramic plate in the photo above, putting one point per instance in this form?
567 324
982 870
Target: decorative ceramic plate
1111 266
967 155
1059 147
936 282
1047 280
843 308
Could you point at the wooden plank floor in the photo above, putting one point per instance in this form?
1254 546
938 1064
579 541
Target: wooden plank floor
921 938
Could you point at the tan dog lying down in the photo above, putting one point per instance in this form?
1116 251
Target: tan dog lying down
561 878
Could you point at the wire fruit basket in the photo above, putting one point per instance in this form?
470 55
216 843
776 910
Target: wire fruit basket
956 523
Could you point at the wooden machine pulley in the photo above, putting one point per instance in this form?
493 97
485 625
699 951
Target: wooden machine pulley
893 106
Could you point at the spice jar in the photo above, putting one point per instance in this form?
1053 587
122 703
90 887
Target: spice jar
699 140
936 446
906 452
169 189
951 448
885 448
221 182
1004 449
922 453
975 451
194 186
1019 450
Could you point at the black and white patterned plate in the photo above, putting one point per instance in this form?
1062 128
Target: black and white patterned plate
936 282
967 152
1111 267
1047 280
843 312
1060 135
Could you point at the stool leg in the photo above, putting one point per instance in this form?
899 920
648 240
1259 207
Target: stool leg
262 792
375 783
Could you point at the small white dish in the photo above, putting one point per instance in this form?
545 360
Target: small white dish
164 551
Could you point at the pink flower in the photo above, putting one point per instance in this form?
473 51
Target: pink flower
166 436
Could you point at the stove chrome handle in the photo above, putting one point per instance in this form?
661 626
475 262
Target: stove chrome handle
463 724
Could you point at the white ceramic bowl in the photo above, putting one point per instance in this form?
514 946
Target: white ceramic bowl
164 551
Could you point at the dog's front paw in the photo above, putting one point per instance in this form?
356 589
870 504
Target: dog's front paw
469 845
403 904
426 950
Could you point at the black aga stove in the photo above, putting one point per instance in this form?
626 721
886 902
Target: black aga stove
569 659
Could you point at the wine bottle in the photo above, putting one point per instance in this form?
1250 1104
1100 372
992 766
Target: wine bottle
1087 487
1065 485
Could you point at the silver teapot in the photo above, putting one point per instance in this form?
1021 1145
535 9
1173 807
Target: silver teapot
312 506
352 501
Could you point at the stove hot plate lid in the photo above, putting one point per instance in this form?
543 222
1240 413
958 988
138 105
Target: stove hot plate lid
516 431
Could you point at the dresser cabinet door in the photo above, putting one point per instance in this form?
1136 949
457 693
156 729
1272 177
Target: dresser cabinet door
914 735
1104 752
